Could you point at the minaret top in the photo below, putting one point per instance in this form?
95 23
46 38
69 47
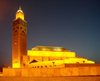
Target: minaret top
19 14
20 9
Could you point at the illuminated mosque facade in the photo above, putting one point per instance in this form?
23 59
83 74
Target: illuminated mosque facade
39 56
44 60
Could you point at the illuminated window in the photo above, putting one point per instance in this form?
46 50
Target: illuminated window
16 42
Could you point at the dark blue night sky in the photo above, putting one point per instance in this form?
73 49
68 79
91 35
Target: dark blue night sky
73 24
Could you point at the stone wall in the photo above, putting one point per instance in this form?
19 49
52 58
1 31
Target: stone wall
68 71
93 78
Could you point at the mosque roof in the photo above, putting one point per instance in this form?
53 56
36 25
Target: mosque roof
49 48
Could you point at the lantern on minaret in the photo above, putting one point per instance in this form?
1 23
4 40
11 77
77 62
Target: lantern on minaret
20 14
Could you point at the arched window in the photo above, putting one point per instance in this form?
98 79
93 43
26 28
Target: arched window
45 65
77 62
83 61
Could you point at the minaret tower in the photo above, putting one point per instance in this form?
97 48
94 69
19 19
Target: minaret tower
19 39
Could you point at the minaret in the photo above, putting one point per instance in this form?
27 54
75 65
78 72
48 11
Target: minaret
19 39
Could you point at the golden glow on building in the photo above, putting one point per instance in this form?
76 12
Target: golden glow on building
16 65
19 41
43 56
44 60
20 14
39 56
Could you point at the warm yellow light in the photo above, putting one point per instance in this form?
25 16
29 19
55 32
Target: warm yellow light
20 14
51 53
19 7
16 65
59 58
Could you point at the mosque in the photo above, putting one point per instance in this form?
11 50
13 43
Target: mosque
44 60
39 56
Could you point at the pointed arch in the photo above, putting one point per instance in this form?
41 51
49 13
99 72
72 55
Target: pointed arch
33 61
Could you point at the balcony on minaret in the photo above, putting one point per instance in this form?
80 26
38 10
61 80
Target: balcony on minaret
20 14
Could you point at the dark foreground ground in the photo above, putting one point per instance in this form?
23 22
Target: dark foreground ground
84 78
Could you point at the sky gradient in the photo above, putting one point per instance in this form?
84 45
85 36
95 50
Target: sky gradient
72 24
